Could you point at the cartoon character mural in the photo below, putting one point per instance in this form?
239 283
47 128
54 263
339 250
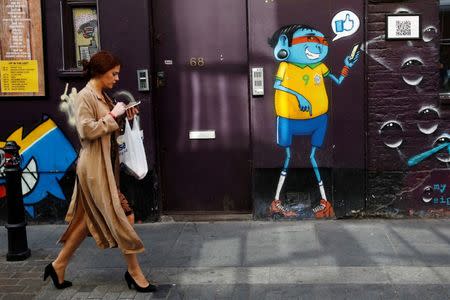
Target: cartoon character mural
301 101
46 156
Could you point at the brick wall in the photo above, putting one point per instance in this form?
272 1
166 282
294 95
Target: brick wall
394 188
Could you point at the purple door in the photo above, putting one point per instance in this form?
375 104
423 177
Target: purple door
202 105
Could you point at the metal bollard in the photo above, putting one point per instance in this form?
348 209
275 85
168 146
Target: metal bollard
16 226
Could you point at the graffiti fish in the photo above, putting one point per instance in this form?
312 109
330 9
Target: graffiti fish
46 156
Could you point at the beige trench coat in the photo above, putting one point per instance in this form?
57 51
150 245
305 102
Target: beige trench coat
95 197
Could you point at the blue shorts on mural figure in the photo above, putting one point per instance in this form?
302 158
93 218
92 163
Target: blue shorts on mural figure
316 128
301 103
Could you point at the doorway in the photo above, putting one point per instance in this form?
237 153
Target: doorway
202 105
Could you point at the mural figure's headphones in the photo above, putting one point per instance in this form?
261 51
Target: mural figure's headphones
282 54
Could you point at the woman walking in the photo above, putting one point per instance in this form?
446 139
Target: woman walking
97 207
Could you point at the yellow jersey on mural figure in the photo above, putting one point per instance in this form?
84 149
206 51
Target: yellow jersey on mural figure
307 80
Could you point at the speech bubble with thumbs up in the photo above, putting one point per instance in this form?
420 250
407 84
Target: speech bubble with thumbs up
345 23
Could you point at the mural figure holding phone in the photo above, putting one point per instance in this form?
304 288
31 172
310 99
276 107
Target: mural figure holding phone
301 100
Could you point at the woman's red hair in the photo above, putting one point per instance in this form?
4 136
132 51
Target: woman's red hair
100 63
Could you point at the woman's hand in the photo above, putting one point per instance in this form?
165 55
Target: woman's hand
131 112
119 109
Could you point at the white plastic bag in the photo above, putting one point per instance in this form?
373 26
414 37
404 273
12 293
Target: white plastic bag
131 150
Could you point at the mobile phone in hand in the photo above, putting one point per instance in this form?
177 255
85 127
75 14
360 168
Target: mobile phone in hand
132 104
355 50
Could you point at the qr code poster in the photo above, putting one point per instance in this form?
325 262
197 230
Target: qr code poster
403 27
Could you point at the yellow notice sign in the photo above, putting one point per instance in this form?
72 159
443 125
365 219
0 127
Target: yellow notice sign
19 76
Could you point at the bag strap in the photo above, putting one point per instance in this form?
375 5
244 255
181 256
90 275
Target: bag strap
136 126
127 125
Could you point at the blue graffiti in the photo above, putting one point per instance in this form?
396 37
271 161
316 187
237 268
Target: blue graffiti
46 156
345 25
441 188
422 156
440 197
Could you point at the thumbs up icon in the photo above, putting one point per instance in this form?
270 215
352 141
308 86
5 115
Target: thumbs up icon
345 25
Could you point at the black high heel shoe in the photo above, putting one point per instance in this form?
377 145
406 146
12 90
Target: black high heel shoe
50 271
130 281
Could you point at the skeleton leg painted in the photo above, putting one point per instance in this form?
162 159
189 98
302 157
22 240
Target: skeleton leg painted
283 173
316 171
324 209
276 207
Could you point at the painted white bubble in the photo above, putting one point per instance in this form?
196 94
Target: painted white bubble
411 69
427 194
403 10
392 134
427 121
429 33
124 96
444 154
345 23
414 81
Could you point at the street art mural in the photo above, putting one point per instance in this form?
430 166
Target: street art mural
431 194
441 150
345 23
67 104
301 100
46 156
417 148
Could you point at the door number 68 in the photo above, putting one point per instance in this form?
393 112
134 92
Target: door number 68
197 61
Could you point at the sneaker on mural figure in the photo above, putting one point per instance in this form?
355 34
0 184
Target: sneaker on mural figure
276 208
323 210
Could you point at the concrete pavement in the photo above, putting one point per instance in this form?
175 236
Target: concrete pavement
338 259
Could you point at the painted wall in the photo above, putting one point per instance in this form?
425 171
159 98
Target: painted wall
341 158
406 159
406 118
48 183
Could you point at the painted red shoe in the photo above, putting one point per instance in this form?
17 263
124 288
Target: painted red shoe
323 210
2 191
276 208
